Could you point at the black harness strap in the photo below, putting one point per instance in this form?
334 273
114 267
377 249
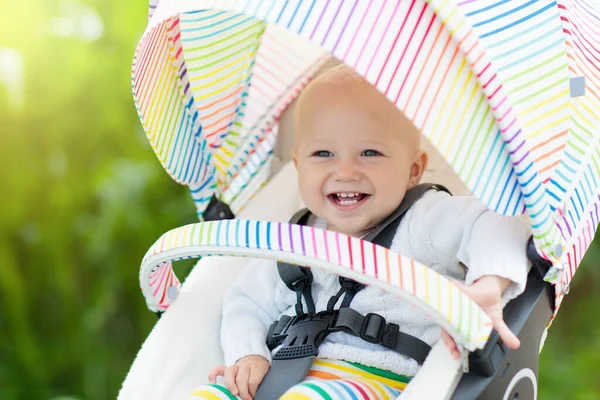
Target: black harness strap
299 279
299 337
296 278
373 328
385 232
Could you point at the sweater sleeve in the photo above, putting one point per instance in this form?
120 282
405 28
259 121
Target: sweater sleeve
249 308
443 227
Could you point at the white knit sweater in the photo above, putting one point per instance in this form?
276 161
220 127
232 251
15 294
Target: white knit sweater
439 231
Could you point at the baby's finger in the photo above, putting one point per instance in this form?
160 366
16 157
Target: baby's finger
447 339
230 377
451 344
508 338
257 374
459 285
241 381
217 371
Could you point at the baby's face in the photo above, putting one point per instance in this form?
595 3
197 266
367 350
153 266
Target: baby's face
353 166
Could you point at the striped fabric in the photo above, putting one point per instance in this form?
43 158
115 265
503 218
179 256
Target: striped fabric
331 380
562 132
488 82
334 252
211 128
576 182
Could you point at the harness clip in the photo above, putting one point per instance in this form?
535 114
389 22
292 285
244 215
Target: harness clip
372 328
302 336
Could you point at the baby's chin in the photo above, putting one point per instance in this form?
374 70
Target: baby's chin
357 230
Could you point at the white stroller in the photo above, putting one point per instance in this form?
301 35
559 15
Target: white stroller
508 92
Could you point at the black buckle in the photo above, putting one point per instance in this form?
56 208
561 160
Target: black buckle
278 330
372 328
302 336
390 336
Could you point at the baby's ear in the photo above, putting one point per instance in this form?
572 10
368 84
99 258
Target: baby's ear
295 159
417 168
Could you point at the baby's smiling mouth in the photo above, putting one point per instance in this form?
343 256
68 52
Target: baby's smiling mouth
347 199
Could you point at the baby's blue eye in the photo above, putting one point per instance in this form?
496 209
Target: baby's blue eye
323 153
371 153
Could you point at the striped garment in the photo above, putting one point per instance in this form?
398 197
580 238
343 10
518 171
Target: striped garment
330 380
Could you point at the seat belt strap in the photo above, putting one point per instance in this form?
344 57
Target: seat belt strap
302 337
293 371
383 235
296 278
373 328
294 359
299 279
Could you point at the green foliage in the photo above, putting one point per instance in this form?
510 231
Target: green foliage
571 355
84 197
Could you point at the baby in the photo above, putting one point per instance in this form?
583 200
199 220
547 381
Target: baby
357 155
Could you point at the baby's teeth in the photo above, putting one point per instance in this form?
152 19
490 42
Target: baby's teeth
348 202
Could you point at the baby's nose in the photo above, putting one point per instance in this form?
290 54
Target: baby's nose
347 171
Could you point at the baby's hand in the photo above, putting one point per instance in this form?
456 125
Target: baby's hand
487 293
244 377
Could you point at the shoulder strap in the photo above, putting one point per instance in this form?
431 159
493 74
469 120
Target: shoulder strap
384 233
299 279
291 274
296 278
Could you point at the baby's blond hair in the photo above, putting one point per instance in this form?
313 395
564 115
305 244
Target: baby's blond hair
344 81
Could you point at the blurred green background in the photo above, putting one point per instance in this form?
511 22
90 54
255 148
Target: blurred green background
84 198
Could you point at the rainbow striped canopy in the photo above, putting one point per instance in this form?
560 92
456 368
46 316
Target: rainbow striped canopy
508 91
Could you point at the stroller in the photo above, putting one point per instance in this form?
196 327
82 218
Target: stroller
507 92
